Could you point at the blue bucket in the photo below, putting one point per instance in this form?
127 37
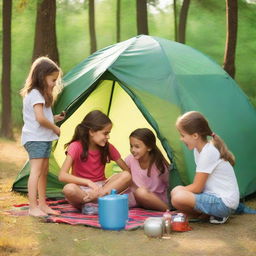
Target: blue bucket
113 211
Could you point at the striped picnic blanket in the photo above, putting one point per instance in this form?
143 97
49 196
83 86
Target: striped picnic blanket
73 216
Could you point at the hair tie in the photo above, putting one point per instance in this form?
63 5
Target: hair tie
213 134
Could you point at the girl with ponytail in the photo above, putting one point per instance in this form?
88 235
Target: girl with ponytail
149 171
214 192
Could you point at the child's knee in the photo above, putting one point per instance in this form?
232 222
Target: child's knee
126 176
69 189
175 190
141 192
177 197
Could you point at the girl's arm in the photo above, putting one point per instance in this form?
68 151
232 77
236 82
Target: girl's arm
121 163
40 117
165 176
199 183
65 176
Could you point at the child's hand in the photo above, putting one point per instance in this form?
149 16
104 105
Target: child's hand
91 195
60 117
56 130
101 192
92 185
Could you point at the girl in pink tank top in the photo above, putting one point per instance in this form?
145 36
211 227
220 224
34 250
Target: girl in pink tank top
149 171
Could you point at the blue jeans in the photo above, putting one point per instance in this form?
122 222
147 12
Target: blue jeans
212 205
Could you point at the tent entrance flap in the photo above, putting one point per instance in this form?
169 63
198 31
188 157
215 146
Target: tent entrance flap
98 99
110 98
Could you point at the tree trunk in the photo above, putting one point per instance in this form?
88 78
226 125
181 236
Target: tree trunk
142 17
6 119
45 35
175 21
118 19
183 21
231 37
92 26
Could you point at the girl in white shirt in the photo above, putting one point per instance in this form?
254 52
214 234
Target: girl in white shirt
214 191
39 129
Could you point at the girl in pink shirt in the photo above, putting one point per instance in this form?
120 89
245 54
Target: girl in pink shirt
87 154
149 171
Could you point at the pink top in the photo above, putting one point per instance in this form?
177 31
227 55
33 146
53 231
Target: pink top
92 168
155 183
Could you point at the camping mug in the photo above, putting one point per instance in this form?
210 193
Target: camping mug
113 211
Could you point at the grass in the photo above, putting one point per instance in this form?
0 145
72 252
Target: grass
26 235
17 235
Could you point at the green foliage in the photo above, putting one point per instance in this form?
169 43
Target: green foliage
153 2
206 31
72 34
22 46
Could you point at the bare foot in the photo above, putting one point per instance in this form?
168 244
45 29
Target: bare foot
36 212
48 210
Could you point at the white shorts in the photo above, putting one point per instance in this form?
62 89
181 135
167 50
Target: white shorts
100 183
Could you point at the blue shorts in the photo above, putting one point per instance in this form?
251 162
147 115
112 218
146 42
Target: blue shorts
38 149
212 205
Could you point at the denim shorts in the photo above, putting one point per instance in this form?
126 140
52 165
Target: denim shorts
212 205
38 149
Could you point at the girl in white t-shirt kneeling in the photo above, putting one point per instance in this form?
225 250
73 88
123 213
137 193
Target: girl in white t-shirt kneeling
214 192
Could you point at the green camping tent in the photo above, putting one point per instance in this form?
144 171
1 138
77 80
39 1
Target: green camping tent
148 82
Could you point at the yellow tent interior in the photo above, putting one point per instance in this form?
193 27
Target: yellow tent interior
122 111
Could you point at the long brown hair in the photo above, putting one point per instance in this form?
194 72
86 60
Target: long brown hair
95 121
42 67
156 156
194 122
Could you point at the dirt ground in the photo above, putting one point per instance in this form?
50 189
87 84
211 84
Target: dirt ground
30 236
